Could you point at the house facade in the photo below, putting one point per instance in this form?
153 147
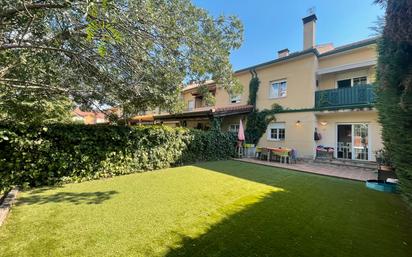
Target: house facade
88 118
326 94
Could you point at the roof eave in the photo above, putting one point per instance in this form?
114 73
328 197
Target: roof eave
183 115
350 47
230 113
286 58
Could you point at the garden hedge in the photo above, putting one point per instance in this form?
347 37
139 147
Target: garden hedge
394 102
46 155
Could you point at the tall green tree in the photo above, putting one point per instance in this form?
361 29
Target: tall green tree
395 88
32 110
129 53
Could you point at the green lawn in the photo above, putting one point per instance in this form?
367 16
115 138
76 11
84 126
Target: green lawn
223 208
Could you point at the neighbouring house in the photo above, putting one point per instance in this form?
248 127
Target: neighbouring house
322 88
92 117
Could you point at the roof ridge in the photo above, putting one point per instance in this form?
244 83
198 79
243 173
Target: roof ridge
290 56
355 44
359 41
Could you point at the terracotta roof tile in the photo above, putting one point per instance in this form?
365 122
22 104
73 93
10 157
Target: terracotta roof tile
234 108
98 115
195 85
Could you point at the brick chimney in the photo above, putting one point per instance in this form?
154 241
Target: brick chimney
283 53
309 31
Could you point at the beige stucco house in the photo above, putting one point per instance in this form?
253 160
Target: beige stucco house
321 89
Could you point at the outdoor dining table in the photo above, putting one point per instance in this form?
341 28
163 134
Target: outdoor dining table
281 152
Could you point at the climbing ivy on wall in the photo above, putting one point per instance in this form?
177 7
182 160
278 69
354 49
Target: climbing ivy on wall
253 88
216 123
257 121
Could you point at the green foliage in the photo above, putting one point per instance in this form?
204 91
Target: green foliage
25 109
131 54
258 121
208 145
383 157
253 89
207 96
46 155
216 123
394 93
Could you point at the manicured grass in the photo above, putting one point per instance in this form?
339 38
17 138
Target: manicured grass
223 208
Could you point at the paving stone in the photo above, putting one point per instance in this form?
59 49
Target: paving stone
352 173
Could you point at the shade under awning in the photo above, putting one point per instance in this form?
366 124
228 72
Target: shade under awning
140 118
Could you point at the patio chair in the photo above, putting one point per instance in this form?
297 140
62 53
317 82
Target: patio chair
258 152
284 156
264 153
249 150
293 154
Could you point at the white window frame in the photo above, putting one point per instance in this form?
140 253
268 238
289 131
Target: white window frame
189 103
279 89
234 128
278 126
234 99
352 83
370 140
361 77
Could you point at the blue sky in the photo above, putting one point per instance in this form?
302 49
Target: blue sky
272 25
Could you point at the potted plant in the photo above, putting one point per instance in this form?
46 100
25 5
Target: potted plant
383 160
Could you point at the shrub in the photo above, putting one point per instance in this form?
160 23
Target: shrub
394 91
209 145
46 155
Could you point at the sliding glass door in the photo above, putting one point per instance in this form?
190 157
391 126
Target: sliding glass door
360 141
353 141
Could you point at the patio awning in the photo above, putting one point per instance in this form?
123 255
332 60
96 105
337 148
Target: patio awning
142 118
232 110
206 113
197 113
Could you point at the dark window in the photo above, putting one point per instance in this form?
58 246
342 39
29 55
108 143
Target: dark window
344 83
274 133
281 134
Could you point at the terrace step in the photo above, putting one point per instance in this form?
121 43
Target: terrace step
367 165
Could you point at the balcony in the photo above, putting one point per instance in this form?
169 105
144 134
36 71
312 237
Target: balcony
341 98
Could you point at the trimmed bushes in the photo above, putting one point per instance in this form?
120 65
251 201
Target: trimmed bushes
394 93
46 155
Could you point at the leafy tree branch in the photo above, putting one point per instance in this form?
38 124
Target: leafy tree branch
129 53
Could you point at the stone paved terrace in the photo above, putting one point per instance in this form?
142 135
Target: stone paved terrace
353 173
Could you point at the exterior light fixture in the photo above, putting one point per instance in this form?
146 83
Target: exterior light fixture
298 123
323 123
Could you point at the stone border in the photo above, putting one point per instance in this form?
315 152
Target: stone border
8 202
294 168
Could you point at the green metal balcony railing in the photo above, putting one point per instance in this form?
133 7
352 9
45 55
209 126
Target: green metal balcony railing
357 96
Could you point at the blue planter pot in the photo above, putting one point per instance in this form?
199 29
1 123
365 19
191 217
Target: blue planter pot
381 185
